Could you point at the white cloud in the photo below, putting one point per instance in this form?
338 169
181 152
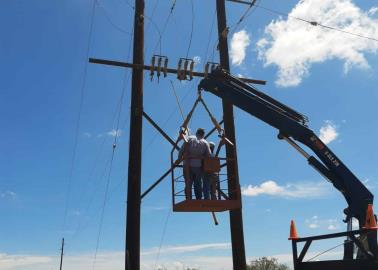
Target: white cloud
187 248
312 223
299 190
197 60
87 134
8 194
15 262
239 43
294 46
316 223
373 11
333 224
171 257
114 133
328 132
115 260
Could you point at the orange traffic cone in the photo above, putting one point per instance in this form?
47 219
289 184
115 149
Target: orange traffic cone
370 223
293 231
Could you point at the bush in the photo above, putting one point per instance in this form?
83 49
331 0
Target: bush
265 263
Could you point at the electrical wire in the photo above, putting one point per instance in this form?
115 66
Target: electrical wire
244 16
120 29
77 128
165 25
210 35
177 100
162 237
105 200
315 23
123 96
110 171
191 30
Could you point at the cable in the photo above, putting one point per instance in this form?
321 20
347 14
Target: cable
152 14
104 202
162 236
77 129
244 15
314 23
167 120
110 20
177 100
165 24
210 35
110 171
114 120
191 30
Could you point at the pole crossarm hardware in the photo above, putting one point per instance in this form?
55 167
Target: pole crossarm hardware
243 2
161 131
157 182
155 68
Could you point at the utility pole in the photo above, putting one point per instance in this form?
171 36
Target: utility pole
132 249
236 218
61 254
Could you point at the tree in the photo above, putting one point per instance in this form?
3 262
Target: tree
265 263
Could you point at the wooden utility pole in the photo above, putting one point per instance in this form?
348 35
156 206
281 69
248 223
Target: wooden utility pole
236 218
132 252
61 254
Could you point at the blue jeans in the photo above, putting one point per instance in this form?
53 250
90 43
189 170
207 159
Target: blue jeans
195 176
206 186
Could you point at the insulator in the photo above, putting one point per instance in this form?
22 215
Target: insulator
165 67
159 67
179 69
152 67
186 63
191 70
206 70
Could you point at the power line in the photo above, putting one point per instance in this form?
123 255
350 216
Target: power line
114 119
210 35
162 236
244 15
77 129
120 29
110 171
105 200
315 23
191 30
166 24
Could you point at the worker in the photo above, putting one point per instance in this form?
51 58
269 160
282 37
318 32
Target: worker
192 153
211 179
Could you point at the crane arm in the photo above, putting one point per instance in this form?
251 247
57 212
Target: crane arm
293 128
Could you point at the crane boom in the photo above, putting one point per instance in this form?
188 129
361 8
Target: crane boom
292 127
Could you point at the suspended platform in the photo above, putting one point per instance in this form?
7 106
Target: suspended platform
206 205
223 194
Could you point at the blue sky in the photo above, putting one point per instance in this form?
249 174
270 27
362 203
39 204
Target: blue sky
327 75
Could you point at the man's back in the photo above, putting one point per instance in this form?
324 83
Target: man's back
197 148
